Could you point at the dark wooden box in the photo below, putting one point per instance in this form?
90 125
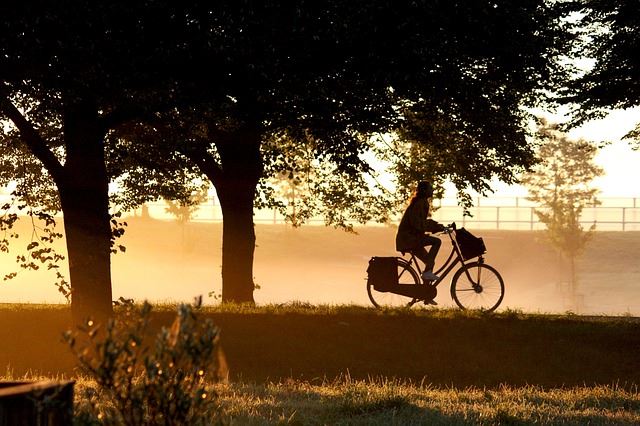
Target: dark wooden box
45 403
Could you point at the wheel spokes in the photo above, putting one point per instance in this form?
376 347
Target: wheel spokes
478 289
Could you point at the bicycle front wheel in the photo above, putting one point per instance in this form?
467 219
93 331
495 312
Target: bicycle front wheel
477 286
406 275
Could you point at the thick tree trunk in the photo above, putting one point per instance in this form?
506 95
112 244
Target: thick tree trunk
83 186
235 180
238 240
84 197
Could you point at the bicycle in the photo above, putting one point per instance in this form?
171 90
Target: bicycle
474 285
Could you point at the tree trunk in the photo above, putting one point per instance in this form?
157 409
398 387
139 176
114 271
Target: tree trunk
573 283
238 240
84 198
235 180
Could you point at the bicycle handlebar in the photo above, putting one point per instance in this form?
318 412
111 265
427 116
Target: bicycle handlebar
449 228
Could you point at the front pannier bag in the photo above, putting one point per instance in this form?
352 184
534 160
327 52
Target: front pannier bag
382 273
470 246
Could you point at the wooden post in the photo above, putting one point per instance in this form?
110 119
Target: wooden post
43 403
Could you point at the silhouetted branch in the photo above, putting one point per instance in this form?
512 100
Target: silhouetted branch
31 137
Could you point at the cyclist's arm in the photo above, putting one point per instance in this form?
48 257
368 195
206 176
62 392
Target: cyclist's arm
433 226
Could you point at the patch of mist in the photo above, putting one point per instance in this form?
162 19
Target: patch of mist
168 263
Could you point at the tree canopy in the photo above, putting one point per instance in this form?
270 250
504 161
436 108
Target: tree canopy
100 90
608 40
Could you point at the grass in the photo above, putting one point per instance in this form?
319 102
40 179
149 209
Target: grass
345 401
384 402
296 363
442 347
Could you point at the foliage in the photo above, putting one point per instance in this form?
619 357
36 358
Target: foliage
62 111
169 383
452 78
40 250
217 80
301 186
560 185
608 40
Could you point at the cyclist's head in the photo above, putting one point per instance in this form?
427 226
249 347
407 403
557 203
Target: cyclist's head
424 189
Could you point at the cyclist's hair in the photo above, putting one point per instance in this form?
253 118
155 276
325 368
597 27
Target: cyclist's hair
421 191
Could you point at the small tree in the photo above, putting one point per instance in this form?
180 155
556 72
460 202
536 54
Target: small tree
560 185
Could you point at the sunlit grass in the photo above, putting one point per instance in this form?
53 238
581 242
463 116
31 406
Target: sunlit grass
13 307
384 402
393 402
305 308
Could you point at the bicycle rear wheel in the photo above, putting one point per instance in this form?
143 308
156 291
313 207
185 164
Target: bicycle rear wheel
406 275
484 291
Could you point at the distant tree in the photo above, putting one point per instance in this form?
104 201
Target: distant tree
560 184
609 42
183 211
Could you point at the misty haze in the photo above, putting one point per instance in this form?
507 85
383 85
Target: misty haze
168 262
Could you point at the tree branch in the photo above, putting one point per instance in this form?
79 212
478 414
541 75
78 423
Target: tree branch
123 114
31 137
205 163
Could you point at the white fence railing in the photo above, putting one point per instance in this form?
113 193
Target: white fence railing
508 213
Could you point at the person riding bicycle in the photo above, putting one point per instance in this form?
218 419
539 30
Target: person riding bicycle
415 223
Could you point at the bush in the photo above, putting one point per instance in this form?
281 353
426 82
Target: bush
137 384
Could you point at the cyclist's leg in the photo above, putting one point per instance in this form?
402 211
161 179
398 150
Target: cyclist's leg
428 257
429 260
423 255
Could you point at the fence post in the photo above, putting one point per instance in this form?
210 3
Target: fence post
624 216
497 217
531 217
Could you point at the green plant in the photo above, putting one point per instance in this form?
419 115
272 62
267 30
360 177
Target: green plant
138 384
40 250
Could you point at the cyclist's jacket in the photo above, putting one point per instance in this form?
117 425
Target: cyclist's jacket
415 222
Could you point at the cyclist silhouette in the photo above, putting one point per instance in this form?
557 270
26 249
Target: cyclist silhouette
415 223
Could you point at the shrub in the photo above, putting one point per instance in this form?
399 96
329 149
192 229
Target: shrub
140 384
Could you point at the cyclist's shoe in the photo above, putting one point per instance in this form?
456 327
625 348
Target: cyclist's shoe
429 276
431 302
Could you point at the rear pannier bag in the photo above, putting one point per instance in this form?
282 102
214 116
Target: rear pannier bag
382 273
470 246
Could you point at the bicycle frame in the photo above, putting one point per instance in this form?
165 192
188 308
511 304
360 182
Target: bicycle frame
452 261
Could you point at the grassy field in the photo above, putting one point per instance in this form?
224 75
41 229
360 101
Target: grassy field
439 347
302 364
394 403
346 401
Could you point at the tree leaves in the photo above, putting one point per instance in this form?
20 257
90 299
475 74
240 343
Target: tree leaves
560 185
